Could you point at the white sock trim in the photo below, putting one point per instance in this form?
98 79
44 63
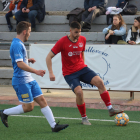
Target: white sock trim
109 107
84 117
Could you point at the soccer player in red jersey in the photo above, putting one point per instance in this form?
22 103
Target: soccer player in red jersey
74 69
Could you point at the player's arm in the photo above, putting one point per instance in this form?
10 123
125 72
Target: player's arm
49 65
18 56
25 67
55 50
31 60
83 55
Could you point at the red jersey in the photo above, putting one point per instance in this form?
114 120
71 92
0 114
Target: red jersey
71 53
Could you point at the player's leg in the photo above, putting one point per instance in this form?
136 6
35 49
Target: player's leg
75 86
45 109
81 104
90 77
98 82
25 97
20 109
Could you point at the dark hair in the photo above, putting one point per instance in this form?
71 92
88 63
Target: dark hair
138 19
75 24
23 25
122 23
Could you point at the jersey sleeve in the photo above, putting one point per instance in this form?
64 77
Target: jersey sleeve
57 47
18 52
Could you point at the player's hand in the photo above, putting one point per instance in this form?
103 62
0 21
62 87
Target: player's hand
40 72
52 77
32 60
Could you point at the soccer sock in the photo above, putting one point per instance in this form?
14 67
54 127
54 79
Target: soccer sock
82 109
47 112
106 98
14 110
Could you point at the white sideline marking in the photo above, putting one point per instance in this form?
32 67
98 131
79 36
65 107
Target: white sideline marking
65 118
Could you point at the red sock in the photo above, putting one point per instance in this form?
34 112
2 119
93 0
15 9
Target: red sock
82 109
106 98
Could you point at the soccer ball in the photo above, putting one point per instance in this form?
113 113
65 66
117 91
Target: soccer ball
121 119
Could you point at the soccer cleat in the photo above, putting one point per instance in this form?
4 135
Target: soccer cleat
5 5
58 127
4 118
85 121
113 112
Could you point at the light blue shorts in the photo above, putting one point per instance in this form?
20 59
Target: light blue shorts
27 92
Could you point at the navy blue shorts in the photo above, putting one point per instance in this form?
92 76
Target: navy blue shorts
85 75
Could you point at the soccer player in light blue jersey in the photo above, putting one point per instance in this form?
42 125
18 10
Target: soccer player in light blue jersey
27 89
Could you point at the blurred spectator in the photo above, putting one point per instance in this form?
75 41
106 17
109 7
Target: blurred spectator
133 36
111 11
121 3
14 7
93 9
118 9
31 9
116 31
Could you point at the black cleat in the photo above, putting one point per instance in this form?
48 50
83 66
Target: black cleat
58 127
4 118
113 112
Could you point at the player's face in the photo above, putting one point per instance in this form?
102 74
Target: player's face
27 34
116 21
75 33
136 23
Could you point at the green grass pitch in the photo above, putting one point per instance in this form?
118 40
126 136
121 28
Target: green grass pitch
37 128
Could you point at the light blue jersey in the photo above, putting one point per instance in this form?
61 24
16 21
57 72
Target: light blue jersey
18 53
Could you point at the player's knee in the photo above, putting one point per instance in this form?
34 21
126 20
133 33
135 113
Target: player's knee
42 99
43 102
31 108
28 108
100 84
79 93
